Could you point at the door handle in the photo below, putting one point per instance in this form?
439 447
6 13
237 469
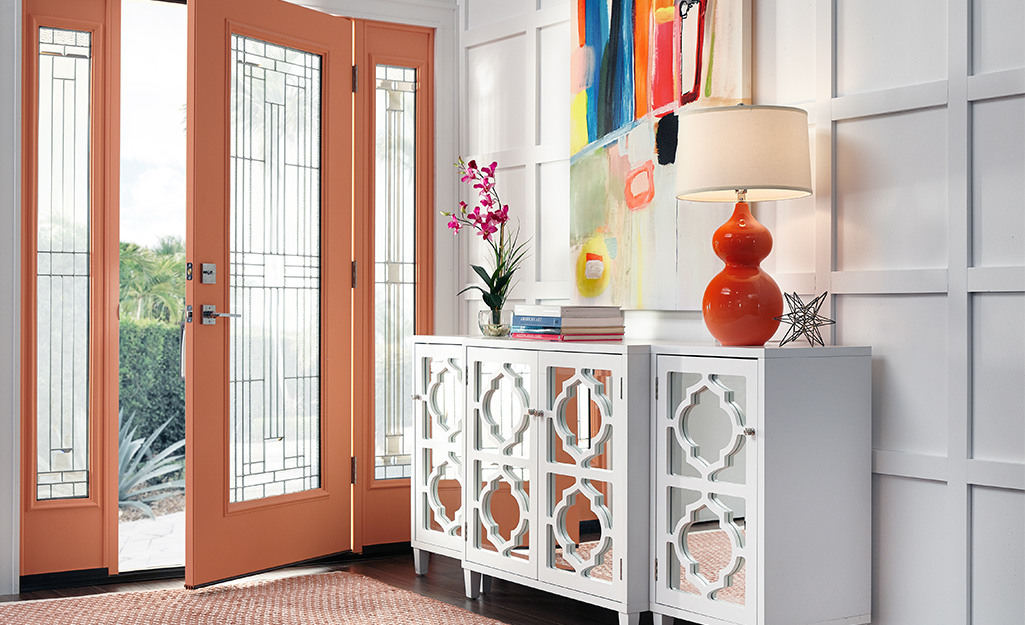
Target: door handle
210 314
186 318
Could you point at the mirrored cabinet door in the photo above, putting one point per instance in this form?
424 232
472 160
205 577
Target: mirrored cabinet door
499 459
581 442
439 387
706 526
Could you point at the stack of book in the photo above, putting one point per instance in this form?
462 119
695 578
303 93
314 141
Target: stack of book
567 323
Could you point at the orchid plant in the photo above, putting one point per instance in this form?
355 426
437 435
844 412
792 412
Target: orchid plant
490 218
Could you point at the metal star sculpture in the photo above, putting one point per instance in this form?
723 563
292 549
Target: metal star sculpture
804 319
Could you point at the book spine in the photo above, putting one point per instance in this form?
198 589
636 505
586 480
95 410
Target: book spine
537 321
515 327
534 336
537 310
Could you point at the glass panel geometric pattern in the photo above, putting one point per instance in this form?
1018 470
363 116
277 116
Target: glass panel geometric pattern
703 534
62 273
498 449
578 514
394 267
274 371
442 446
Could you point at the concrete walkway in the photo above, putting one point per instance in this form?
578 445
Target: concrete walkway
152 543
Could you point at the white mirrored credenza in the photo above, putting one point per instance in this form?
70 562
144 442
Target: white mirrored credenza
712 484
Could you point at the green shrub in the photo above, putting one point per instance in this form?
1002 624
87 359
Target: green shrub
143 474
151 387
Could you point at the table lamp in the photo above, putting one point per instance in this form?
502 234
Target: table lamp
742 153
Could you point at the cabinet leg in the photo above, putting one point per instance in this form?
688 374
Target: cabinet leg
661 619
421 559
631 618
485 584
471 582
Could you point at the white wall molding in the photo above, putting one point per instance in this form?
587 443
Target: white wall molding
10 271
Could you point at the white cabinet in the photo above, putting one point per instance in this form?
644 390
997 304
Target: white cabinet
555 460
713 484
762 486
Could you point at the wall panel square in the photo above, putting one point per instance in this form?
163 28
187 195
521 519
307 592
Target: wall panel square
496 97
997 43
998 372
483 12
998 182
783 58
998 556
551 244
553 85
910 551
883 44
891 191
908 335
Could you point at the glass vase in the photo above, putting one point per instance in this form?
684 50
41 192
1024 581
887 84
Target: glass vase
494 322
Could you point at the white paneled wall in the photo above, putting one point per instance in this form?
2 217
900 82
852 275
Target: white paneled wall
514 64
917 229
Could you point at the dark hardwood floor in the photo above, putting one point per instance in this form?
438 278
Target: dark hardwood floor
507 602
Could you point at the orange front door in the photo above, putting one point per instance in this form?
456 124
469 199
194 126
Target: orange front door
269 389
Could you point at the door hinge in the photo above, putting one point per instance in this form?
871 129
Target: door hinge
656 388
355 273
621 388
656 569
621 569
355 78
188 271
352 477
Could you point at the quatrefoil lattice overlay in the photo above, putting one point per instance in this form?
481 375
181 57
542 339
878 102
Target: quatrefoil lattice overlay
491 528
445 450
585 390
582 566
709 383
691 567
505 436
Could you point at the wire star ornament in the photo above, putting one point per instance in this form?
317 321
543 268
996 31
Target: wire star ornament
804 319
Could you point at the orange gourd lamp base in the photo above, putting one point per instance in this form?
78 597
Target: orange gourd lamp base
741 302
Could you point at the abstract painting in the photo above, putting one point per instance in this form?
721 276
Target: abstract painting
636 65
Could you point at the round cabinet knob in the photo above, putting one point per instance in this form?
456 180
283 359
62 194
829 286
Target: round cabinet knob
416 397
749 431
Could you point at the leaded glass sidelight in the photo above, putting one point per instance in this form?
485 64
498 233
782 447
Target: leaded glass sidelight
274 371
394 268
62 269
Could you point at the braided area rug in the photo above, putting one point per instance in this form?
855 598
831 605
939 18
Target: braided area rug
338 598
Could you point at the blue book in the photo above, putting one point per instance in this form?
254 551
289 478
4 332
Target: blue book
537 321
532 329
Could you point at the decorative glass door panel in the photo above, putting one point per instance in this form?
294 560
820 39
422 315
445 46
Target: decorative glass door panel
705 484
274 376
500 459
62 264
438 427
579 440
394 266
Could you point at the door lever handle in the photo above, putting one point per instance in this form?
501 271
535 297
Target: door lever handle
210 314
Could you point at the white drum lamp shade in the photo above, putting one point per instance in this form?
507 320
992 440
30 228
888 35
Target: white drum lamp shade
763 149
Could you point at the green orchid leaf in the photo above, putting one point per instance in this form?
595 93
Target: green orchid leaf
484 276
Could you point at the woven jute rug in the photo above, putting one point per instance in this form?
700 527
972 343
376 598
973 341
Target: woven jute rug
323 599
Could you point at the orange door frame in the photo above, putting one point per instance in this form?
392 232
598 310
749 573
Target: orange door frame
226 540
382 511
74 534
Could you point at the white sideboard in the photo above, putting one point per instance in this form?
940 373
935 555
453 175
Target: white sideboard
713 484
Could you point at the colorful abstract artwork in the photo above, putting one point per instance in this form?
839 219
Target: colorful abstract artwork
636 65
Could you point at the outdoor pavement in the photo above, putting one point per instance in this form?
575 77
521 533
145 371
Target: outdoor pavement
152 543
